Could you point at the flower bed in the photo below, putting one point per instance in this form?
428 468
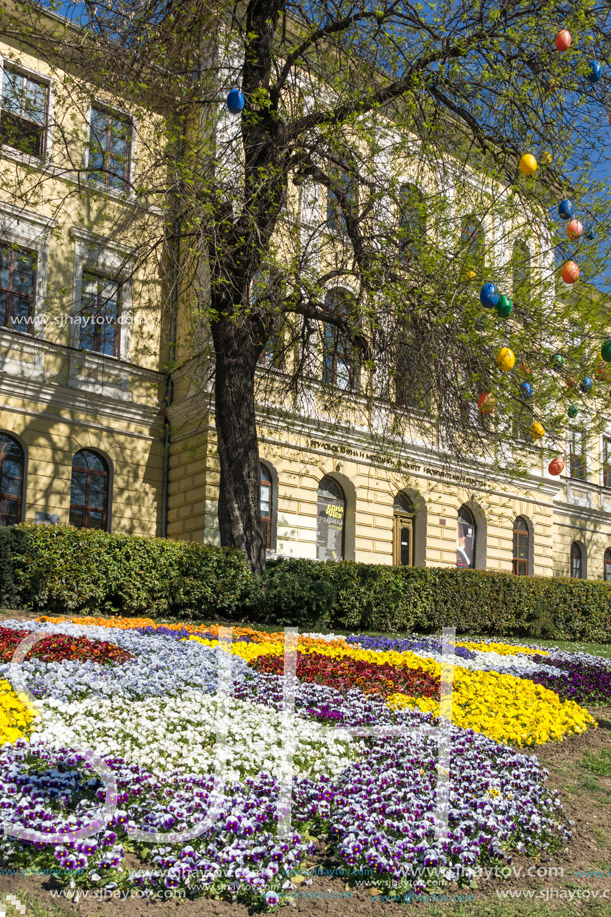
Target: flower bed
154 714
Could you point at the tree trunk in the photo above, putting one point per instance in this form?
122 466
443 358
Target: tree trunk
239 510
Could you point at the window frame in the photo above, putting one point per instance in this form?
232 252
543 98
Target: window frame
320 500
93 176
607 565
418 226
606 462
471 257
100 277
85 508
266 520
466 512
329 371
520 565
97 255
578 469
13 249
526 266
335 217
576 557
20 499
7 64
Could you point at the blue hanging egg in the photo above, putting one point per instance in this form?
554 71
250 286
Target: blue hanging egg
586 385
566 209
526 389
235 101
596 71
489 296
591 235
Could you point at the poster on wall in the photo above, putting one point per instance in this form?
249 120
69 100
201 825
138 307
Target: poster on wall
330 532
465 545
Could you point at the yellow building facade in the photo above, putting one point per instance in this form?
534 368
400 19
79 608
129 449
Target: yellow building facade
87 438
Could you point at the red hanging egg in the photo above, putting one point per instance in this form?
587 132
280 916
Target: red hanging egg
485 403
556 466
563 40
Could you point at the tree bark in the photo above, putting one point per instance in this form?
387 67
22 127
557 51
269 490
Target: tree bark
239 511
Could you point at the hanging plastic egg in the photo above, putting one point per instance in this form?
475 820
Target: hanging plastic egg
537 431
528 164
596 71
556 466
569 272
574 229
591 235
489 296
572 410
505 359
525 369
235 101
485 403
571 382
557 361
526 389
566 209
601 371
469 274
605 351
585 385
504 307
563 40
546 158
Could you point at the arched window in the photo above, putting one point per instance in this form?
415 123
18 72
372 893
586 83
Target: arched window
266 505
331 520
576 561
404 524
89 491
338 356
466 535
473 246
12 461
607 566
521 268
412 220
521 546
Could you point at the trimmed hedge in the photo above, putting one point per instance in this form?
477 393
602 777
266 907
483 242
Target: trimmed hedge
425 599
61 569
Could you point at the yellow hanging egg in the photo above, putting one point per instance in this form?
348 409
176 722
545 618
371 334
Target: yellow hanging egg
537 431
505 359
546 158
528 164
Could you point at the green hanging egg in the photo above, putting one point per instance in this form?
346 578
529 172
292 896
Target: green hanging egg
605 351
504 307
557 361
573 410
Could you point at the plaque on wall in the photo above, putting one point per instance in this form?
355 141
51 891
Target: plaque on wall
47 518
330 531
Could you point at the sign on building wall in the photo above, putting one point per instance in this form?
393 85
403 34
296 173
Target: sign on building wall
47 518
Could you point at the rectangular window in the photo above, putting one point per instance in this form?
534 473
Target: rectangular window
100 310
338 359
17 287
336 219
577 458
24 112
606 461
521 424
109 148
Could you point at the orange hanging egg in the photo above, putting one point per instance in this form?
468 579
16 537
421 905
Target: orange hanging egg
563 40
556 466
570 272
574 229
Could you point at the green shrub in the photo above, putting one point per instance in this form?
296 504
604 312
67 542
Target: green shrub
12 543
425 599
61 569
